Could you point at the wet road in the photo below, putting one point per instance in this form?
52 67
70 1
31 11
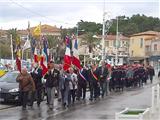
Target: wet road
102 109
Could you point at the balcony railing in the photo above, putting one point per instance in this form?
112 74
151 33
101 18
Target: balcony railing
152 53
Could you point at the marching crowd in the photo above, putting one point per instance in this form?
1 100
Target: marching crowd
71 85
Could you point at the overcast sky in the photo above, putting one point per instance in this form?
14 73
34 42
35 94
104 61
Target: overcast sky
66 13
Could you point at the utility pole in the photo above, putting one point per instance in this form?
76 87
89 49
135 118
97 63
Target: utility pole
103 33
116 57
12 51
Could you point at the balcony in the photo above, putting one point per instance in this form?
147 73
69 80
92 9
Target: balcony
152 53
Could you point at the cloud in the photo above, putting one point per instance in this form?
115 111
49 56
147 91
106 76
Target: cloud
68 13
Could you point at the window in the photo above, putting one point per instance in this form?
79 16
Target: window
132 53
155 47
147 48
141 44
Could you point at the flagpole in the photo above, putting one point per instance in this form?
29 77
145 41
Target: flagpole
40 44
29 38
12 51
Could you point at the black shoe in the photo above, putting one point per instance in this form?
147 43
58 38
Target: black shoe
38 105
64 105
90 99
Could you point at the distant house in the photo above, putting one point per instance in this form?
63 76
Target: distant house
152 50
140 46
110 48
3 33
49 30
45 30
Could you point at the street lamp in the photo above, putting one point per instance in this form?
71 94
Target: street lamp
77 39
116 57
117 37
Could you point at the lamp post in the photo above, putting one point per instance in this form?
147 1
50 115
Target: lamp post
77 38
116 57
117 39
103 35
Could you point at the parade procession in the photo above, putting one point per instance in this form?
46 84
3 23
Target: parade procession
71 81
79 60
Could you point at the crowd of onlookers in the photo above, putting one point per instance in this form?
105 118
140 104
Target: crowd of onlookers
71 85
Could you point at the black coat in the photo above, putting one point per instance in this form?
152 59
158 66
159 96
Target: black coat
37 77
91 78
81 80
102 76
52 78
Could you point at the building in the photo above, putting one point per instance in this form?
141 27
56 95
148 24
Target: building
140 44
152 51
110 48
48 30
45 30
122 48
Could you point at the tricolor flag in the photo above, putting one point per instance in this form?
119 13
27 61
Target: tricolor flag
75 58
67 56
43 63
36 57
44 56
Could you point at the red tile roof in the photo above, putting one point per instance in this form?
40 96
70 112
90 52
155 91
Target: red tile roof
113 37
152 33
47 29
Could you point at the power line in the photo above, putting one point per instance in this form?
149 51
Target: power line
36 13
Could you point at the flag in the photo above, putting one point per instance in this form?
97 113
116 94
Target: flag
75 57
45 48
18 40
37 31
36 58
43 63
18 60
44 56
67 56
27 44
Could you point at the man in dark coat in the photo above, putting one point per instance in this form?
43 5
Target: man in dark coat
93 82
52 79
82 83
37 77
151 73
103 74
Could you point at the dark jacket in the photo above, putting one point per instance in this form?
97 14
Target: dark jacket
81 79
92 75
52 78
102 75
37 77
151 71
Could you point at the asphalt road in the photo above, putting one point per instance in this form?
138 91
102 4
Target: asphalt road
85 110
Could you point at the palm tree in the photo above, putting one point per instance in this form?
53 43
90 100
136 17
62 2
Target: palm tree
90 41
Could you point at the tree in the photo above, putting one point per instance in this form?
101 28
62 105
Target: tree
52 41
89 40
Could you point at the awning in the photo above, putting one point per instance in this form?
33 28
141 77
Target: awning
154 58
137 58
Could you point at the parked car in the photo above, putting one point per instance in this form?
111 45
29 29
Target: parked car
9 88
3 70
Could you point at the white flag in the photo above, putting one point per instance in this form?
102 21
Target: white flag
26 45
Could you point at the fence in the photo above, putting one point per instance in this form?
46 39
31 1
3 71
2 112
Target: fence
155 105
